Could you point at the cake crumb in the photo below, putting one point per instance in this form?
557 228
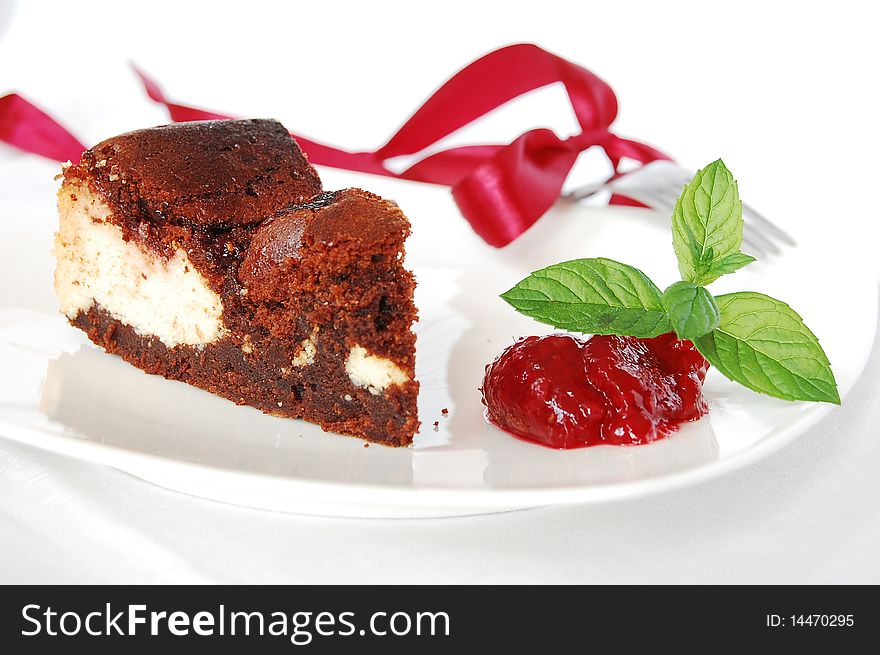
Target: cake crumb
305 355
366 445
445 411
436 426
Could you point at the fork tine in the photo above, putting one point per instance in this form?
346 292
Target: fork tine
757 244
760 243
760 235
756 236
752 248
750 215
656 199
670 194
584 192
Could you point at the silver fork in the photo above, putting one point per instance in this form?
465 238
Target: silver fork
659 184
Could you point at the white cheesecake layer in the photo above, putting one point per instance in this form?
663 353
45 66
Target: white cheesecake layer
165 298
371 371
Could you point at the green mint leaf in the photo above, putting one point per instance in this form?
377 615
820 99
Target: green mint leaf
732 262
707 223
594 296
691 309
764 345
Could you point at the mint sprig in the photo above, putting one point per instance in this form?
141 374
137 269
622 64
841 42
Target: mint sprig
753 339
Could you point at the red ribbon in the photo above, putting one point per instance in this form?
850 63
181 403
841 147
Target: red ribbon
501 189
28 128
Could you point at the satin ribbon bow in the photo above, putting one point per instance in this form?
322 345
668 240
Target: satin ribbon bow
500 189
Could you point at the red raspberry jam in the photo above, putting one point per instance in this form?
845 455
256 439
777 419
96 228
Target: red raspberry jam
564 392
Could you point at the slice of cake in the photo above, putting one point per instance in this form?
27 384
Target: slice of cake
206 252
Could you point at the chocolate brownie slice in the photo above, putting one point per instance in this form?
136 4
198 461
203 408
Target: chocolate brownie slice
206 252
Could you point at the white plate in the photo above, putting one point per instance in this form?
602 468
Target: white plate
61 393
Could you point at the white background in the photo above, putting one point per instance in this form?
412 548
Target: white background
785 92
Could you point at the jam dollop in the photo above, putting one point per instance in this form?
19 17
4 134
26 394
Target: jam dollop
564 392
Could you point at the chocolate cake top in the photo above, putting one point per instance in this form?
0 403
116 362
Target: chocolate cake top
204 173
349 217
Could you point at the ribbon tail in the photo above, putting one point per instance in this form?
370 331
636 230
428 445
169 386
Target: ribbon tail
624 201
25 126
178 113
318 153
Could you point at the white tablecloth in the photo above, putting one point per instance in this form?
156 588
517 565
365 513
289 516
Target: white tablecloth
810 513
